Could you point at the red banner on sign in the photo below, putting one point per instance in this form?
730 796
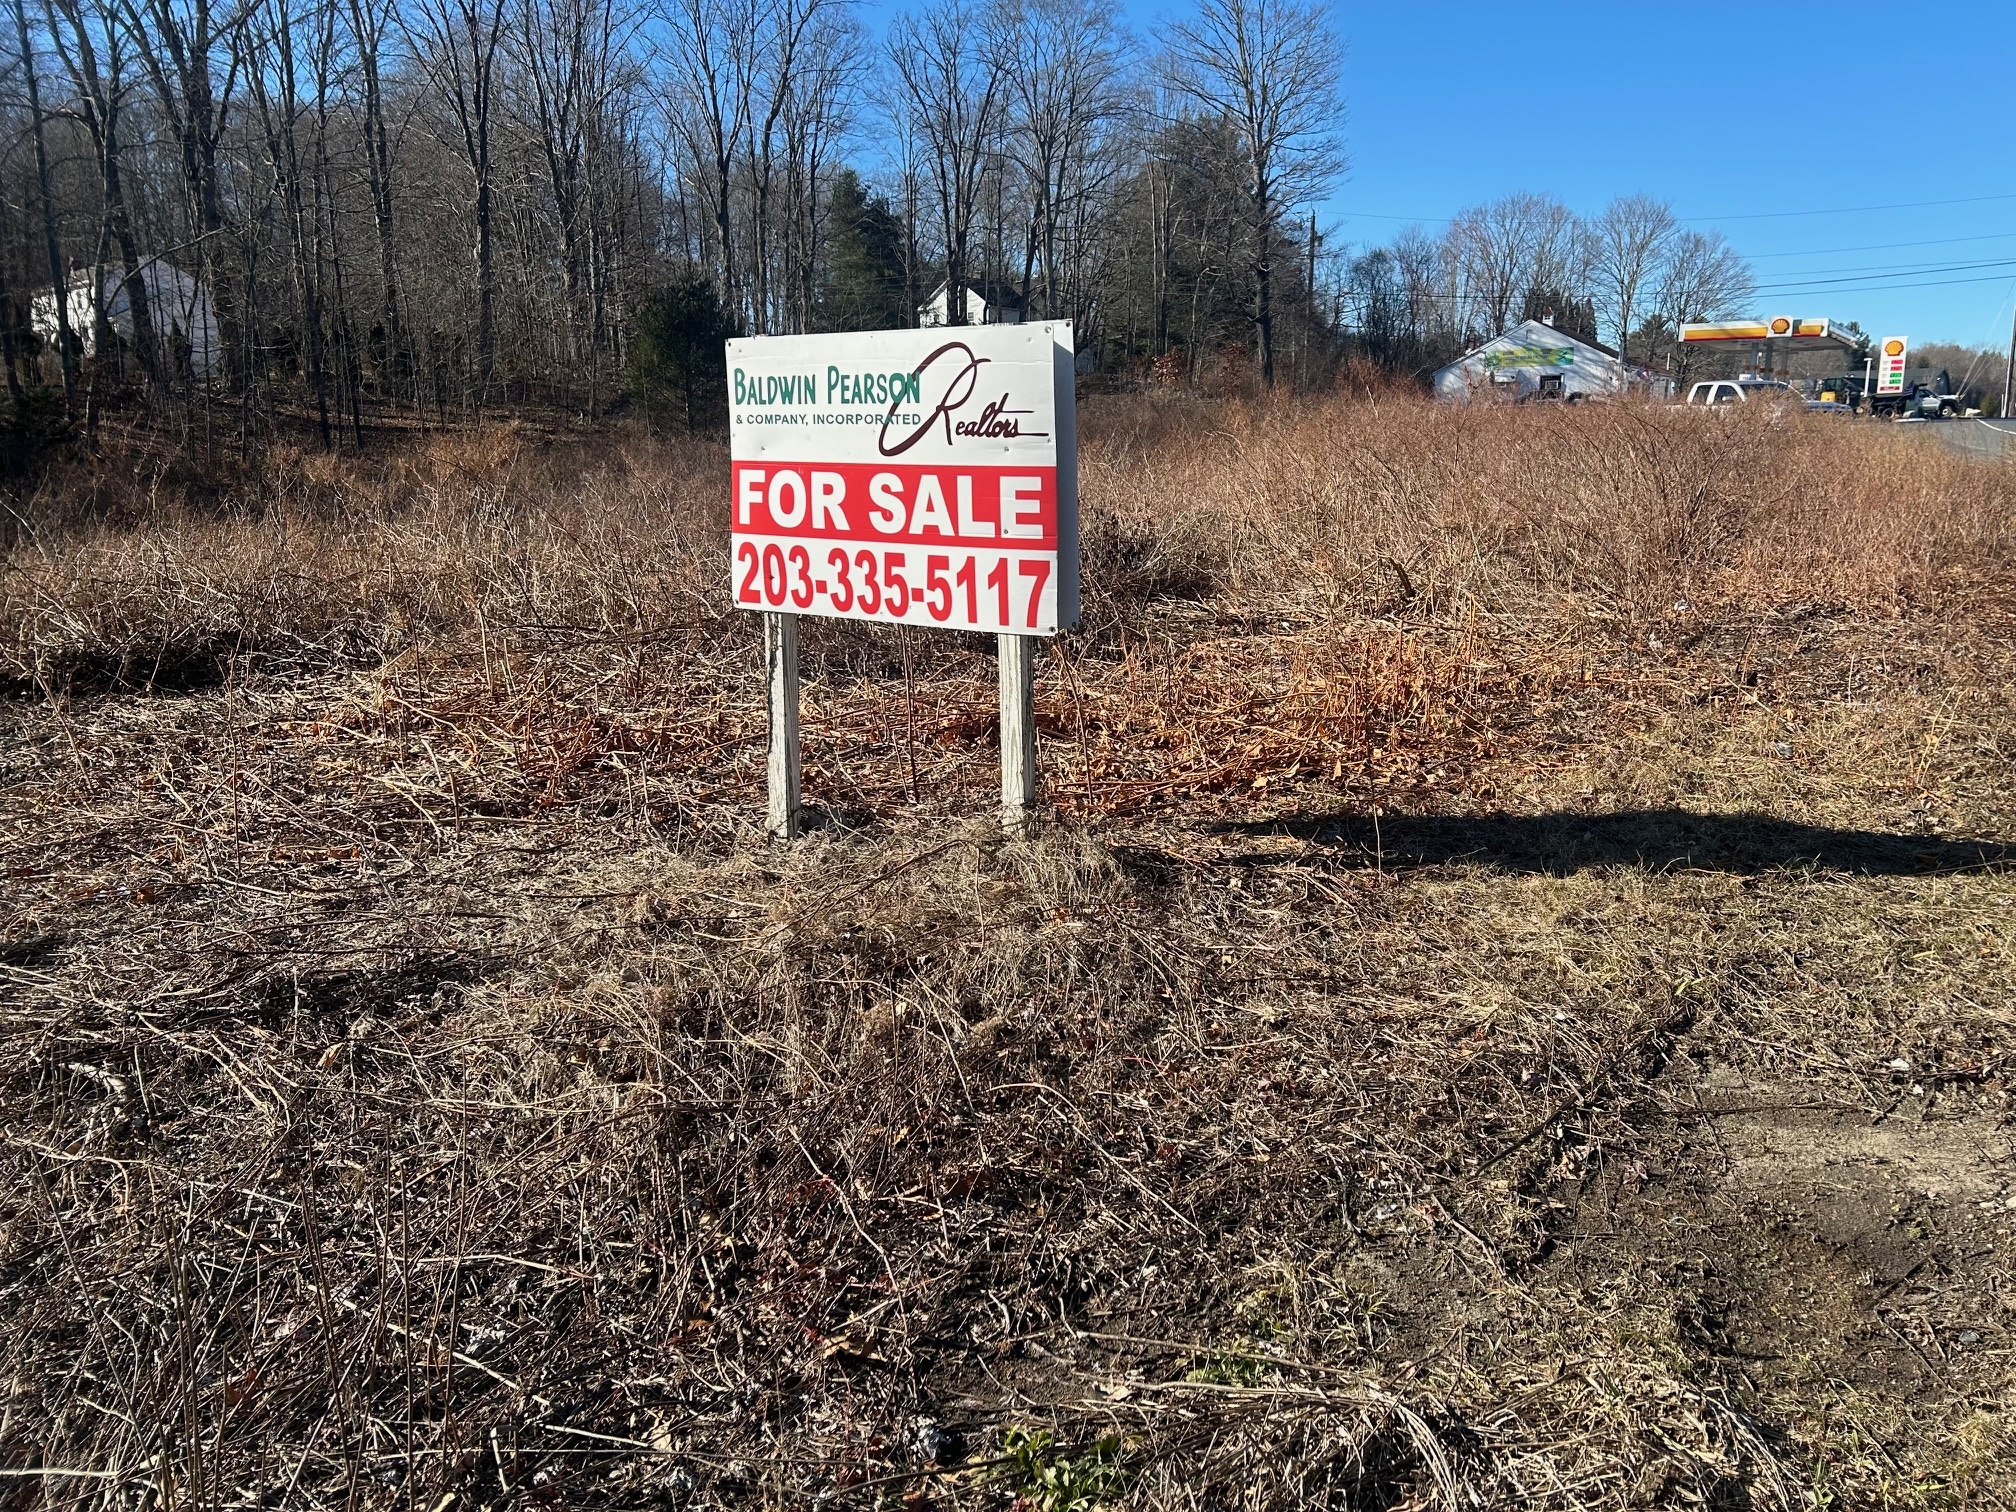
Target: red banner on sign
1014 508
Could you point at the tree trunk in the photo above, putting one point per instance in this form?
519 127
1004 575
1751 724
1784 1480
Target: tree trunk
723 167
955 261
7 341
378 172
57 283
486 330
1263 277
284 158
101 332
138 304
178 59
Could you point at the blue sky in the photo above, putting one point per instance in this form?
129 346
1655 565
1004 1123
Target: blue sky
1758 118
1750 118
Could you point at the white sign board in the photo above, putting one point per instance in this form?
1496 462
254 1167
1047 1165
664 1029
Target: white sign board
1890 365
916 477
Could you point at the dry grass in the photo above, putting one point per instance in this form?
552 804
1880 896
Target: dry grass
424 1088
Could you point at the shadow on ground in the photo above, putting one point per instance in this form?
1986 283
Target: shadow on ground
1661 839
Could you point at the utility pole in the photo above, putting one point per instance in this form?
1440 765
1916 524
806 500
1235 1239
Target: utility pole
2009 372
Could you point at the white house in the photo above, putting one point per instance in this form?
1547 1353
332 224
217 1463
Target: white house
178 306
1536 360
937 310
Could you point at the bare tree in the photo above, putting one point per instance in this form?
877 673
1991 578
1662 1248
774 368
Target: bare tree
793 68
818 112
93 44
1271 68
568 56
268 148
275 79
52 245
1561 256
953 66
1405 305
1426 287
458 42
193 60
910 154
714 41
1505 251
1703 278
1065 86
369 24
1629 243
328 63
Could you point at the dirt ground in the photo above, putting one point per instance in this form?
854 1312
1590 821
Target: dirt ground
1588 1086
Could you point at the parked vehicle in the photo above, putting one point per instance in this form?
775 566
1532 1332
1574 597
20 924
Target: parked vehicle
1773 391
1927 395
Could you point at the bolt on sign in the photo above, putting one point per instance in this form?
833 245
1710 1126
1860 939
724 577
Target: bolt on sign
909 477
1890 366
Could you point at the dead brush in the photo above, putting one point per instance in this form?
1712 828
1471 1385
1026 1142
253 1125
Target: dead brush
422 1087
1334 507
1246 712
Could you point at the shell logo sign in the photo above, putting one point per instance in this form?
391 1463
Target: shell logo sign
1890 370
1778 327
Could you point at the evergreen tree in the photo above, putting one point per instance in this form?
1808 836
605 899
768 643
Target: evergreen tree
1573 316
678 370
863 289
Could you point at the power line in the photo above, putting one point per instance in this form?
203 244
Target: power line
1826 274
1936 241
1699 220
1419 220
1979 199
1937 283
1801 282
1402 298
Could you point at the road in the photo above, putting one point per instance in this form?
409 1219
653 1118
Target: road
1980 438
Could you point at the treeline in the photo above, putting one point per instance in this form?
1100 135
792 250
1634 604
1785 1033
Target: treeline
1629 277
339 212
436 207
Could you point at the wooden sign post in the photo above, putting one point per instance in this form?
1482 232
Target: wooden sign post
908 477
780 676
1016 655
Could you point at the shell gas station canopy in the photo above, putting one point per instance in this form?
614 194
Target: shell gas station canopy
1779 345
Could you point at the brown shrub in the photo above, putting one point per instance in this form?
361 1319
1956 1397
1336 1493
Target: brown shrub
1480 556
423 1087
1378 503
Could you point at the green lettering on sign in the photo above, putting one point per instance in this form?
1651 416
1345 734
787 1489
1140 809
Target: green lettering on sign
1529 356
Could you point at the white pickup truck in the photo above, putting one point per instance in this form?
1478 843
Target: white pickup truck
1758 391
1743 391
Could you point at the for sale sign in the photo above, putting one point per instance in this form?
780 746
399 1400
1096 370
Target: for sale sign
917 477
1890 366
